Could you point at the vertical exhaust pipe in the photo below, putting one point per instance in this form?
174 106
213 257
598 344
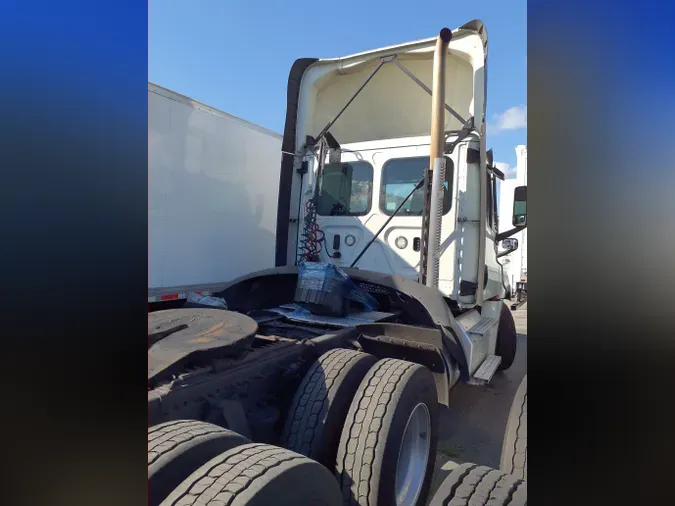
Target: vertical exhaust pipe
433 212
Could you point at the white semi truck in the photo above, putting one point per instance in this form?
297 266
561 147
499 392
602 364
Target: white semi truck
321 381
213 185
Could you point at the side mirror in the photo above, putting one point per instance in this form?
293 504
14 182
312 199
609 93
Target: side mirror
520 207
510 245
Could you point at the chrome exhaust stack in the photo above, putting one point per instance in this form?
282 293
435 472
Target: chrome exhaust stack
435 174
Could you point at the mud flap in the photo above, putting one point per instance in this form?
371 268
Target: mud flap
455 350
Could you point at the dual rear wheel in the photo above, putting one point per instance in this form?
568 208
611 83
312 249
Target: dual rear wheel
197 463
374 424
359 431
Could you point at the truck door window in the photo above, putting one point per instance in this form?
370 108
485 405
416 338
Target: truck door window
399 177
345 189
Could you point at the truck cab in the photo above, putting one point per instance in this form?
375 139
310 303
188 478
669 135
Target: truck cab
375 107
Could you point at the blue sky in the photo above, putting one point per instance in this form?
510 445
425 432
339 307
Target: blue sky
236 55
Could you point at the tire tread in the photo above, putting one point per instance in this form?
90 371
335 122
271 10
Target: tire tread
179 447
514 450
363 428
166 437
473 485
313 397
228 475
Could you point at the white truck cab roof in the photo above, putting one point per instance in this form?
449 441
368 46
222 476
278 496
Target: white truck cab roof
392 104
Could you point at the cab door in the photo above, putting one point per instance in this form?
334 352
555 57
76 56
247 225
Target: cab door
399 174
344 206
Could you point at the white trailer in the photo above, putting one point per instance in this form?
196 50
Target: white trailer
207 170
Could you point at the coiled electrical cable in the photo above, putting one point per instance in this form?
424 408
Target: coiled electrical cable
312 235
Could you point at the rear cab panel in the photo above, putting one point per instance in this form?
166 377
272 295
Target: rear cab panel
384 140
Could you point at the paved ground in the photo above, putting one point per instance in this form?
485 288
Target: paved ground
472 429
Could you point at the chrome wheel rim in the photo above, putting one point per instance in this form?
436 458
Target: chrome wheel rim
413 456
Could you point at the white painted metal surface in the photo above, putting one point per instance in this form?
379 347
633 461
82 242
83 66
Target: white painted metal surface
478 333
483 326
213 190
389 120
383 255
391 105
492 309
475 346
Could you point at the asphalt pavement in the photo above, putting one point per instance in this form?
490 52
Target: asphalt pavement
472 428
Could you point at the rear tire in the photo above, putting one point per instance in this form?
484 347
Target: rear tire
394 416
470 484
317 415
514 448
507 339
177 448
257 475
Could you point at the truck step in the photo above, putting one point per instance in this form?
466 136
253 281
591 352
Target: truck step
486 370
483 325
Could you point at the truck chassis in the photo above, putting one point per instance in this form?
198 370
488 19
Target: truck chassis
251 372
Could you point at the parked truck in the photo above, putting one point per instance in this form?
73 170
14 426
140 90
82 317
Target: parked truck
321 381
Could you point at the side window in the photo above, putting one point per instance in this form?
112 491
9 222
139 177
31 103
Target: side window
345 189
399 177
